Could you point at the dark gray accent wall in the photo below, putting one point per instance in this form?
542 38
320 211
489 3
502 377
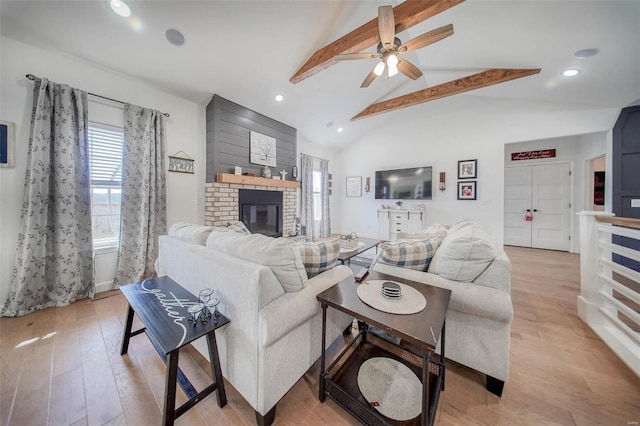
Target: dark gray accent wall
626 176
228 135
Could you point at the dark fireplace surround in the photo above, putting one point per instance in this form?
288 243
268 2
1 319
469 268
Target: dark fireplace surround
261 211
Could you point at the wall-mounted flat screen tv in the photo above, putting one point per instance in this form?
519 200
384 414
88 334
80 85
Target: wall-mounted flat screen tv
404 184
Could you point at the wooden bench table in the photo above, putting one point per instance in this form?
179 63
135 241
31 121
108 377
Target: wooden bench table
162 304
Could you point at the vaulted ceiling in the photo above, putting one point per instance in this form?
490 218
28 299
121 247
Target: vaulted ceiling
247 51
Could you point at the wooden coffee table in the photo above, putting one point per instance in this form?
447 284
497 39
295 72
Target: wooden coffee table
419 334
345 256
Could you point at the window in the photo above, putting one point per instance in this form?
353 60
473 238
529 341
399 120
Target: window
105 166
317 197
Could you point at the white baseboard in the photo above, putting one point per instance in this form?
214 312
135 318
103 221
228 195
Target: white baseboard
105 286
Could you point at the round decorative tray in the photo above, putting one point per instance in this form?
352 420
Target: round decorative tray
410 302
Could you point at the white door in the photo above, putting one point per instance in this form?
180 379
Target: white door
550 205
517 199
544 191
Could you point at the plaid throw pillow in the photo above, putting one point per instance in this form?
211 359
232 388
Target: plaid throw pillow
409 254
238 227
318 257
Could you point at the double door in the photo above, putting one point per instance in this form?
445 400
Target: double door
537 206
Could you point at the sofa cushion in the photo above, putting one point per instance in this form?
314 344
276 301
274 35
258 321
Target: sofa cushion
474 300
411 254
190 233
319 256
282 256
465 253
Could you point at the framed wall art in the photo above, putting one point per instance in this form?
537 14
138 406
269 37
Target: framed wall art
467 169
181 164
467 190
7 143
354 186
262 149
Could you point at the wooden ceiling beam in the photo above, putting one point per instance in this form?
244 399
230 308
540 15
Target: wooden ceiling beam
406 15
476 81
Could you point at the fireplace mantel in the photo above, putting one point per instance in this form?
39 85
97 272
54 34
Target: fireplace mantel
254 180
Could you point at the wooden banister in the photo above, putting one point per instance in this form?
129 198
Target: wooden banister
627 222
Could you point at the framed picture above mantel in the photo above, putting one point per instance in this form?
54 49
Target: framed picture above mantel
262 149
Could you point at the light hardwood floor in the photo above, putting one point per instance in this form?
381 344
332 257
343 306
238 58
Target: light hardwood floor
62 366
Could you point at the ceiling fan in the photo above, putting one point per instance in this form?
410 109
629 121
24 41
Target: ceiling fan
390 47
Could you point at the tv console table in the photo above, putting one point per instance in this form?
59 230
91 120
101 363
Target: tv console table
393 221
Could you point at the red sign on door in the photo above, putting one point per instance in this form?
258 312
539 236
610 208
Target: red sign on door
533 155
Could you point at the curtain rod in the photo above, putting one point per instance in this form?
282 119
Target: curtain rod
317 158
33 78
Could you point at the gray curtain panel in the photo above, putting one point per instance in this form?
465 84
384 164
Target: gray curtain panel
54 265
144 202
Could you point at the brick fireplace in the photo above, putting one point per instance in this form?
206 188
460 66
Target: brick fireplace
222 202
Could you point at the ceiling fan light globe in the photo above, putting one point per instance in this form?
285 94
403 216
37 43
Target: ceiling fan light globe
392 61
379 69
120 8
393 70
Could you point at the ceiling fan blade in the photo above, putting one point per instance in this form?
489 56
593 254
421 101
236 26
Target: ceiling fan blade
368 80
386 26
350 56
426 39
408 69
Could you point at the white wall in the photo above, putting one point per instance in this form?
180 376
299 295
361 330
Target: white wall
420 136
185 130
592 146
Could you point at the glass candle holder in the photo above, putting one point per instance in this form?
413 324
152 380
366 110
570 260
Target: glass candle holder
205 294
195 312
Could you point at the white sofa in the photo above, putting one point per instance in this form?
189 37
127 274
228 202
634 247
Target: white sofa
275 331
478 273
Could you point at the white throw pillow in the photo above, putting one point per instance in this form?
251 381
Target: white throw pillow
191 233
282 256
465 253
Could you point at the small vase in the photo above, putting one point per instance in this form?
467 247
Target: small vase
266 172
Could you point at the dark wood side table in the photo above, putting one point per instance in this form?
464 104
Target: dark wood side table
418 334
161 304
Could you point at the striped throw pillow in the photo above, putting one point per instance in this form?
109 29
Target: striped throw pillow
414 254
319 256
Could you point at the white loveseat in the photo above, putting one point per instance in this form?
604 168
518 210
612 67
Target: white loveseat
275 331
478 273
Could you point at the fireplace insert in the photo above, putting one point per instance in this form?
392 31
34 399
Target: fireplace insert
261 211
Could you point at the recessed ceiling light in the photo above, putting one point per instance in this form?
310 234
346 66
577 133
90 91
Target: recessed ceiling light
278 98
174 37
571 73
120 8
586 53
339 129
